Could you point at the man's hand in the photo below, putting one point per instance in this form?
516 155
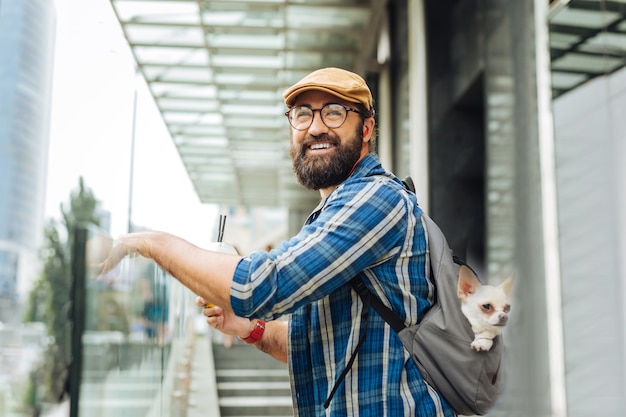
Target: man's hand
126 245
225 321
273 342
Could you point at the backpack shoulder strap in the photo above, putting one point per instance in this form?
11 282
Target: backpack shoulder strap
385 312
409 184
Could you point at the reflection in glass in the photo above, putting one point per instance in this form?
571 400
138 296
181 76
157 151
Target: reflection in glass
130 331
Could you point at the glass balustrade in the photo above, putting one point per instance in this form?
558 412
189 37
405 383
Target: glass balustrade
133 336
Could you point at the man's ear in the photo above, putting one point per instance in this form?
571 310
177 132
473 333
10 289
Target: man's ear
368 129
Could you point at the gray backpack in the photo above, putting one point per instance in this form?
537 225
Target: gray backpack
470 381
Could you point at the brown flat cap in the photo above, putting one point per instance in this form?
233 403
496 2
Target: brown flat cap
339 82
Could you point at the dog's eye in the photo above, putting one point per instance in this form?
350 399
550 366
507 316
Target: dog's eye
507 309
487 307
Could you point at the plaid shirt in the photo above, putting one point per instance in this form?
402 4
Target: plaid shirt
369 226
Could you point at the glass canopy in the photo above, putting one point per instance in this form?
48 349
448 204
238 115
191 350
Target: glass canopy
587 40
217 70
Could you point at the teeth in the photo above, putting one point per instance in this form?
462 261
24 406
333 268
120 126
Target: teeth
320 146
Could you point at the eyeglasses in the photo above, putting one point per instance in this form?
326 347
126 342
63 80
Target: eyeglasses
333 115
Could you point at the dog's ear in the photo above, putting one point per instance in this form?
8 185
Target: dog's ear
507 285
468 283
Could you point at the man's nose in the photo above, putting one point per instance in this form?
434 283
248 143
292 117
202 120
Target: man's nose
317 125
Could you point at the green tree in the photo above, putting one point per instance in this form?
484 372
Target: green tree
50 299
82 210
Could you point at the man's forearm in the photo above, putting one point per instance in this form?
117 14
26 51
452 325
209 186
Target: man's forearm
274 340
206 273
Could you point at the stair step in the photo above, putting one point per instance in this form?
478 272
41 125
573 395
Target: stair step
248 386
262 406
251 383
252 388
252 374
255 401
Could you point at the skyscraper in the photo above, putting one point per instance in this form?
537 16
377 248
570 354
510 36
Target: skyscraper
27 30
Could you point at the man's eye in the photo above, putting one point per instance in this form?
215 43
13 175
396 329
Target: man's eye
302 113
333 111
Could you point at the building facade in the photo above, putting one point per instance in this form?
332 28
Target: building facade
512 112
26 56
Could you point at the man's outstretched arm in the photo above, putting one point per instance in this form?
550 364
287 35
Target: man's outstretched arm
206 273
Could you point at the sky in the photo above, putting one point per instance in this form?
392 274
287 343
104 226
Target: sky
91 132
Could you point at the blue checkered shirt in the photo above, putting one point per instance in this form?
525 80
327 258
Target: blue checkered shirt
367 226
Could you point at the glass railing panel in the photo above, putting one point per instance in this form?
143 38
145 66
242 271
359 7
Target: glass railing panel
132 329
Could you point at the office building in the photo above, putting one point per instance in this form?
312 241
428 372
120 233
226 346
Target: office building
26 56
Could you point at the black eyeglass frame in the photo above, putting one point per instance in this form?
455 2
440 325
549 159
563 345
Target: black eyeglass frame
346 108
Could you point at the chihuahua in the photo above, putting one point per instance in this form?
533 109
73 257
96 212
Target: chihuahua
485 306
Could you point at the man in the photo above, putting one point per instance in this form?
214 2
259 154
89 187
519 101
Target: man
366 224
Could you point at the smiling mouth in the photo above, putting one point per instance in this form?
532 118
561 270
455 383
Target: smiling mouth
323 145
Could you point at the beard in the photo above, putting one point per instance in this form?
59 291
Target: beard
316 172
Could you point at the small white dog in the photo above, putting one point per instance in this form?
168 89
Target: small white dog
485 306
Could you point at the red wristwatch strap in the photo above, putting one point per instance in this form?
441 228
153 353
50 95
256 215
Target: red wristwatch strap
256 334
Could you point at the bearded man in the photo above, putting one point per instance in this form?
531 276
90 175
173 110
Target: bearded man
365 225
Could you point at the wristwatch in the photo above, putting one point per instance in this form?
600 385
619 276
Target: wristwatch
257 333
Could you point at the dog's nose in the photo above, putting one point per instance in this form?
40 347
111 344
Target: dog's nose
503 318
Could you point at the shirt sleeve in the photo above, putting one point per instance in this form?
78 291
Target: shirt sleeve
361 224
